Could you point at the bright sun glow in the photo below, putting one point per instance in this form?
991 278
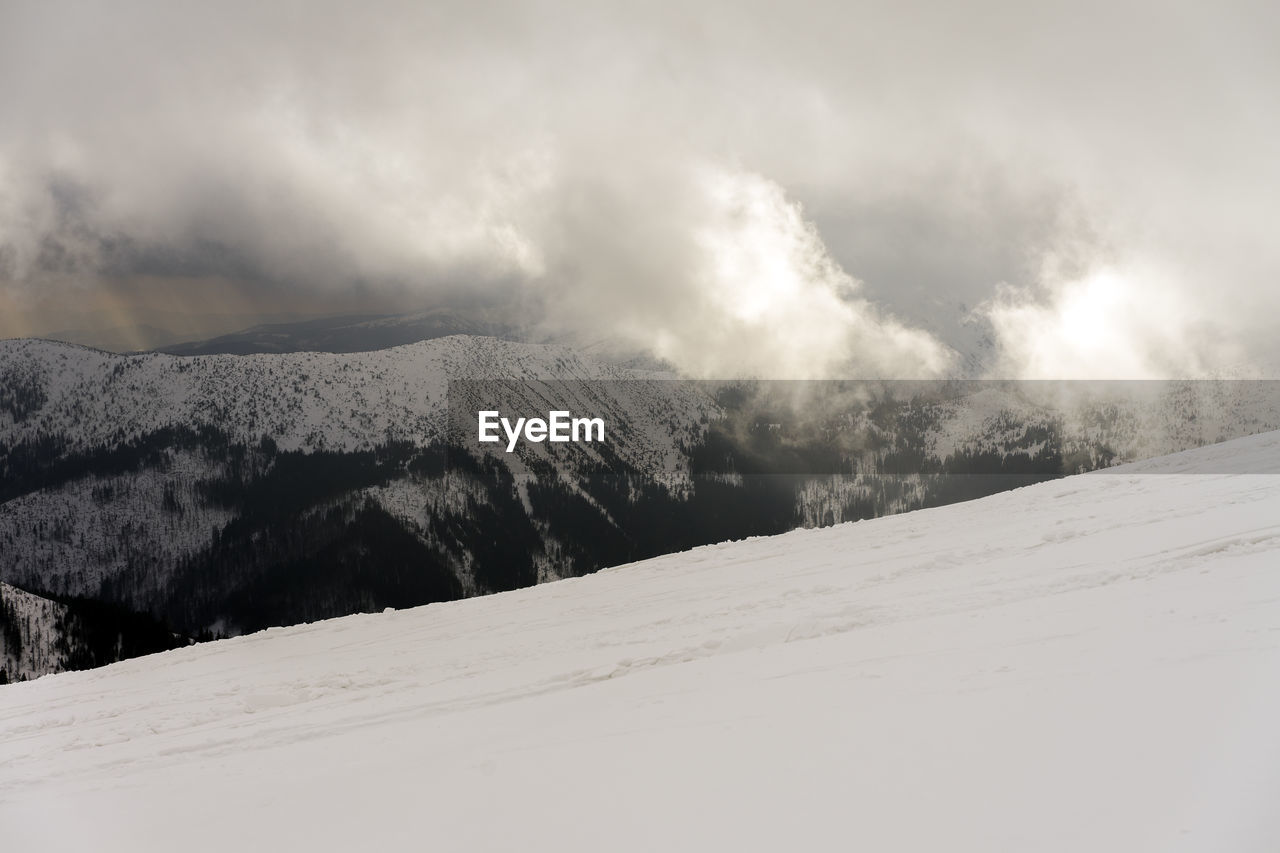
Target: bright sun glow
1113 323
781 305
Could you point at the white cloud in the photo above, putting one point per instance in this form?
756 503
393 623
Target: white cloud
1129 321
773 302
402 150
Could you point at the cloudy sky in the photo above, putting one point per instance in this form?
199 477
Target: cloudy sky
798 189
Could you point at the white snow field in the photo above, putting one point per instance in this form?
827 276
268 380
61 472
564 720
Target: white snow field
1090 664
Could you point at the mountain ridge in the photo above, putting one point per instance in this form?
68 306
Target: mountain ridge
226 493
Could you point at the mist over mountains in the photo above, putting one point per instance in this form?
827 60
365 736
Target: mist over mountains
223 493
700 182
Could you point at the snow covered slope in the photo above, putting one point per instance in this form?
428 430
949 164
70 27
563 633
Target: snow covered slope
1087 664
223 493
142 480
302 400
29 634
39 635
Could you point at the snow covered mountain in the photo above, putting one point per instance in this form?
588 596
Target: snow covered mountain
233 492
40 635
223 494
1083 664
302 401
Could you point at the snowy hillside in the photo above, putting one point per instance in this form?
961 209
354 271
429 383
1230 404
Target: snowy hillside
302 400
29 634
220 494
1087 664
40 635
225 493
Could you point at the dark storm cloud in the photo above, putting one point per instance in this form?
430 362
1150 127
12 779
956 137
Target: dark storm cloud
781 189
75 245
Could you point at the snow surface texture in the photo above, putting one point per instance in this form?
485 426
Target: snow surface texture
1088 664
